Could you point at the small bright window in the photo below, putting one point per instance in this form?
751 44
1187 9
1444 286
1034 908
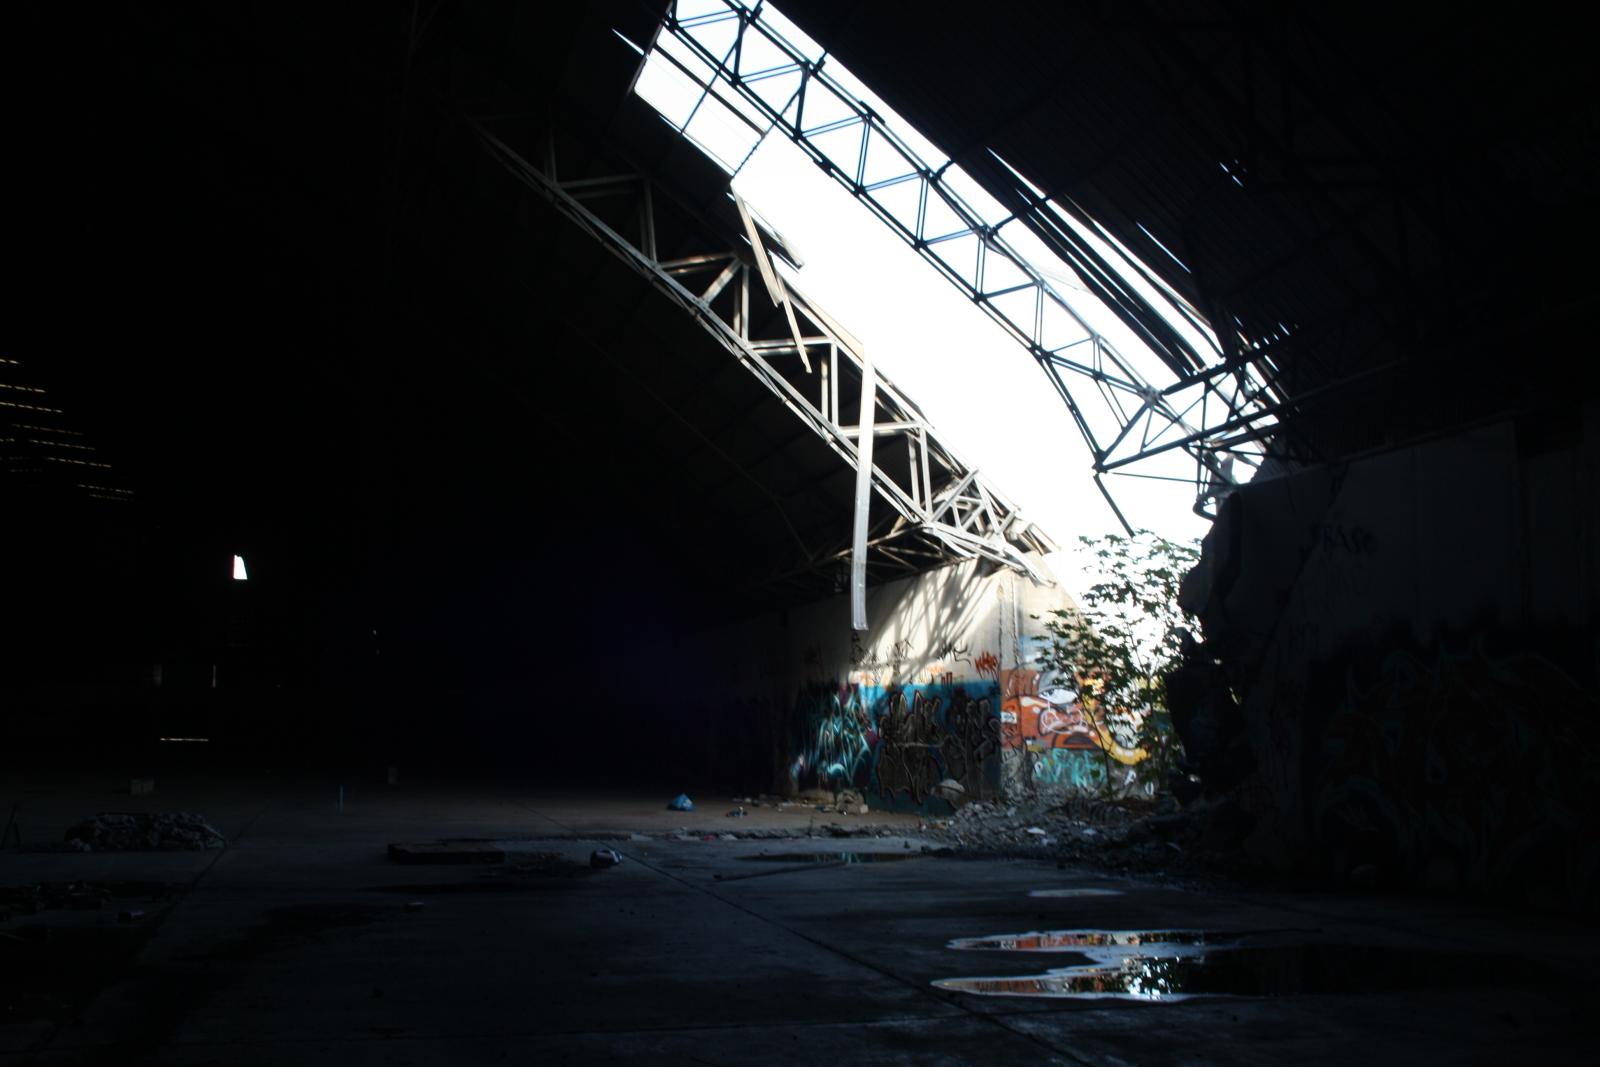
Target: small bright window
238 569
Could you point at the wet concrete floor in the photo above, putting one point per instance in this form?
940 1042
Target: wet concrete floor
303 943
830 857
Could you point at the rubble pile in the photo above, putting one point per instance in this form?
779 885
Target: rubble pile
167 831
1120 836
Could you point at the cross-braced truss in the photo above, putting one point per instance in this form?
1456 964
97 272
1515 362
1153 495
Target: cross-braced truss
1216 399
939 508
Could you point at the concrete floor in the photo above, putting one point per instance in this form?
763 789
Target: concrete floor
295 945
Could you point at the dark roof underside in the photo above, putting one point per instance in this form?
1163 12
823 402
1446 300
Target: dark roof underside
1415 186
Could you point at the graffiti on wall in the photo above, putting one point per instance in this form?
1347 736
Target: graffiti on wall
839 738
898 743
1040 715
1070 768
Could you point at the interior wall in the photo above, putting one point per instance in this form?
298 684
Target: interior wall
1414 638
942 688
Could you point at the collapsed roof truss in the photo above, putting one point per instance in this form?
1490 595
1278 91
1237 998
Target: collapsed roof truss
939 508
1219 402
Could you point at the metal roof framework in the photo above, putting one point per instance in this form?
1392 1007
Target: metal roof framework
940 509
1218 401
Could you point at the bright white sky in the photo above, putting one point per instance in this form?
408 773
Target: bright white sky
987 398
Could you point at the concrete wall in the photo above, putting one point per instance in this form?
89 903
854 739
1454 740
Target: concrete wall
1414 636
943 685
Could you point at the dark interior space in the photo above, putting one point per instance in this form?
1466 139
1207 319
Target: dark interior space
477 475
422 314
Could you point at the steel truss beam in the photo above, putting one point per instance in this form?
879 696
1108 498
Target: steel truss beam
944 502
1126 417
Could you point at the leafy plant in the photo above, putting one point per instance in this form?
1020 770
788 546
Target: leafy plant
1121 643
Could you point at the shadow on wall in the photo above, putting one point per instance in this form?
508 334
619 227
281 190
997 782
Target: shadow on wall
927 630
1472 762
902 746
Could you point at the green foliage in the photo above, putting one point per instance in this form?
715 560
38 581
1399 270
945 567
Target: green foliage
1124 638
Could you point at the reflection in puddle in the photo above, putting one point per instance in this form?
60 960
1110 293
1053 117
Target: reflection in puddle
1081 892
1178 972
830 857
1078 940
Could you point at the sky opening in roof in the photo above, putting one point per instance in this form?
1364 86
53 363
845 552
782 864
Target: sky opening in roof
980 388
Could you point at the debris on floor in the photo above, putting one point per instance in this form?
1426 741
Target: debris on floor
167 831
1128 835
81 896
681 802
604 857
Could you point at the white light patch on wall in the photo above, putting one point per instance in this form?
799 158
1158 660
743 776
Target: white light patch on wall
239 574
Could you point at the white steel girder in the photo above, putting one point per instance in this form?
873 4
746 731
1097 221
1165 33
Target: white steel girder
955 512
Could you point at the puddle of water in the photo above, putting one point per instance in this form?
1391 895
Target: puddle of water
830 857
1081 892
1283 970
1078 940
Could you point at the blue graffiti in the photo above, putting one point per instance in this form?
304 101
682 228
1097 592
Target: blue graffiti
840 740
1074 768
901 742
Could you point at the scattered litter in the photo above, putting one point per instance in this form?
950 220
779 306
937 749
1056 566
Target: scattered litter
604 857
737 813
1036 831
415 905
132 915
681 802
164 831
638 837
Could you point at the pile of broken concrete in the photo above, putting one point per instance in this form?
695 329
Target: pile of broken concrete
1127 836
167 831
